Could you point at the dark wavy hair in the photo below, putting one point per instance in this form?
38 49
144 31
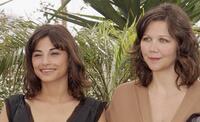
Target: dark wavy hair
179 27
61 38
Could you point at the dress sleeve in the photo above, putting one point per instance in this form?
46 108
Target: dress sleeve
17 109
100 108
12 104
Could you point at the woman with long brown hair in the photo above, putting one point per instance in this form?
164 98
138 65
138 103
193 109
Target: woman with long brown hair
166 62
54 82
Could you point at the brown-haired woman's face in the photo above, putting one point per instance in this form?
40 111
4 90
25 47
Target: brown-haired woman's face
49 63
158 47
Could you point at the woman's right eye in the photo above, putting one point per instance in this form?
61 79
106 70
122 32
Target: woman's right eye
147 39
36 55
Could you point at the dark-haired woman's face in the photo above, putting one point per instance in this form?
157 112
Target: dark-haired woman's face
49 64
158 47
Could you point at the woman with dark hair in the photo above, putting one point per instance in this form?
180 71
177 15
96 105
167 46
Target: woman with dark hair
166 62
54 82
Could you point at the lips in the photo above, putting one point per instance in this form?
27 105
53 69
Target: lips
48 70
154 58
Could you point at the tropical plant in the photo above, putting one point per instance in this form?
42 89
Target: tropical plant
103 48
105 52
120 12
14 32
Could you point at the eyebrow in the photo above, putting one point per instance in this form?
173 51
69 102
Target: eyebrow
165 36
168 36
49 49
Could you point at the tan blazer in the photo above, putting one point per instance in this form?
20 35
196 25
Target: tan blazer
130 103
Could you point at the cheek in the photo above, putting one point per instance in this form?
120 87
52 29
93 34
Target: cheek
66 65
143 48
65 60
62 62
35 63
171 51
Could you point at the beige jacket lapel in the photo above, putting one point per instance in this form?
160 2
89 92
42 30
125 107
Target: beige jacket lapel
190 101
144 103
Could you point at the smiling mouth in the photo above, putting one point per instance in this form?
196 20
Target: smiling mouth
154 58
47 70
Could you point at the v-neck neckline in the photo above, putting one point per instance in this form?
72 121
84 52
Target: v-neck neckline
76 109
182 110
144 103
193 94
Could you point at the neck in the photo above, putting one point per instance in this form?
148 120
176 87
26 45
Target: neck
54 92
165 82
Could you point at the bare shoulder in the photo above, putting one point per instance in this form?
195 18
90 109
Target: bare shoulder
3 115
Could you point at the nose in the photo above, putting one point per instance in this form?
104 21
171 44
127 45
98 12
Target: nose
45 60
154 47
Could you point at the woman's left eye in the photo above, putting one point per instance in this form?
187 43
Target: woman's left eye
55 53
162 40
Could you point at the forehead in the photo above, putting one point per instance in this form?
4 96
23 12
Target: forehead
158 28
44 43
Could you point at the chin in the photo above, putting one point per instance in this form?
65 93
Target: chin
156 69
46 80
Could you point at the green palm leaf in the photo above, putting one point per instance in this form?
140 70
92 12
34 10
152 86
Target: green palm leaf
121 12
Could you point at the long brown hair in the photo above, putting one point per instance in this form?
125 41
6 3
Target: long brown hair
187 59
61 38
